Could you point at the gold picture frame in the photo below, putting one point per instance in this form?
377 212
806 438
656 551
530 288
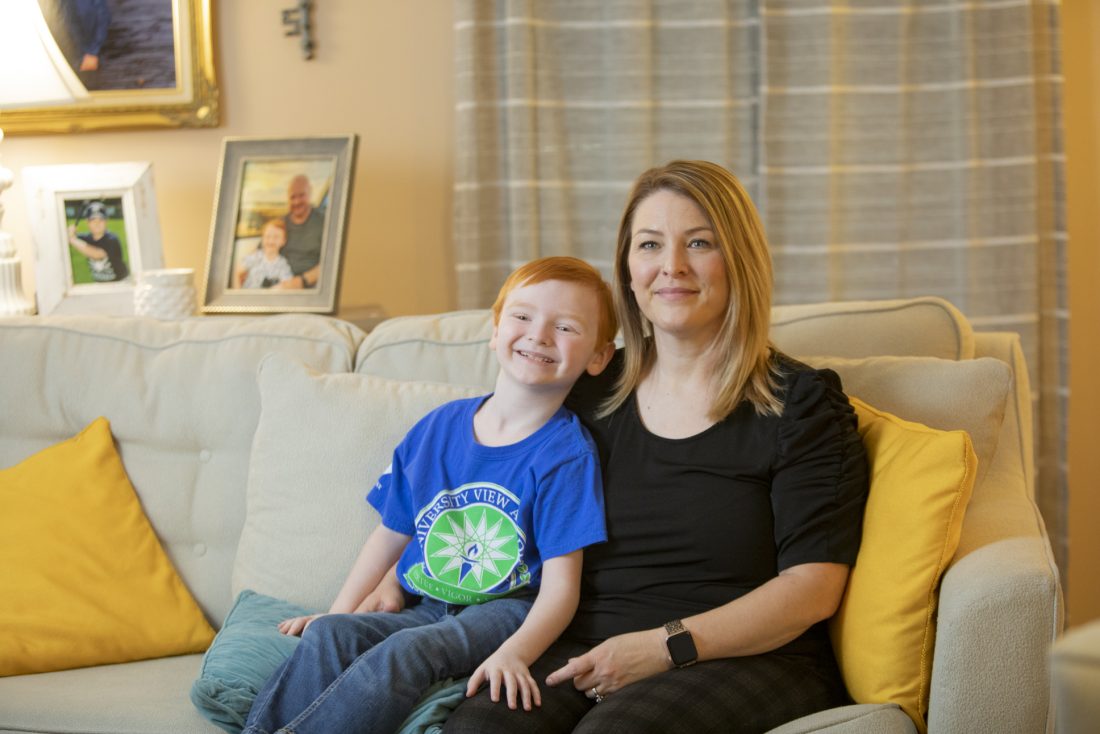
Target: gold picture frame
191 102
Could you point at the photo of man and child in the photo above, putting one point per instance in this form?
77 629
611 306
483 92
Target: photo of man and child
281 224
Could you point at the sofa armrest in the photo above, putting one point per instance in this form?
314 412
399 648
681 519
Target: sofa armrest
1000 611
1001 604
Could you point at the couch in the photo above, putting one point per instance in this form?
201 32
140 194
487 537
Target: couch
202 438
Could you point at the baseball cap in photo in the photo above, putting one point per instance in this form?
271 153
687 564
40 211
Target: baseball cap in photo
95 209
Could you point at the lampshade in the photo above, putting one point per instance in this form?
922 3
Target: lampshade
33 71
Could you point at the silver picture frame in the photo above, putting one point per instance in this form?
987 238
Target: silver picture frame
256 179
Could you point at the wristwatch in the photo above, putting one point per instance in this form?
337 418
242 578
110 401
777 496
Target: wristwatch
681 646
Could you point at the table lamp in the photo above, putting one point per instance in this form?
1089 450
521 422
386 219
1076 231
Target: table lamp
33 72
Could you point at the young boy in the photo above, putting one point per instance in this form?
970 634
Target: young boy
488 504
102 248
265 267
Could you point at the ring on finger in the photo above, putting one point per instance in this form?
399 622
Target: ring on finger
596 695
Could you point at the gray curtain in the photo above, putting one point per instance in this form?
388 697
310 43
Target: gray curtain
894 147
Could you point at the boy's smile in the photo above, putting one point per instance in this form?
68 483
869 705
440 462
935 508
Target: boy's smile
535 356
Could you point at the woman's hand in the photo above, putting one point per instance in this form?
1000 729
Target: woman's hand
504 666
295 626
615 663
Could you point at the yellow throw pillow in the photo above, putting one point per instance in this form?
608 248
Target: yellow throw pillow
884 631
85 580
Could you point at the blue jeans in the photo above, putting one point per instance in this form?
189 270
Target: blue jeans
366 672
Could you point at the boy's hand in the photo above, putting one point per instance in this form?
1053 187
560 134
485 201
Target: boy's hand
388 596
295 626
505 667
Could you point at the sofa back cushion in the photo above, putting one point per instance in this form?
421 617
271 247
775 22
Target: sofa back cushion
910 327
453 347
449 347
183 405
321 444
968 395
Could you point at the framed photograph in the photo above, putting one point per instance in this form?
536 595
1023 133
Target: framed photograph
146 63
95 229
278 232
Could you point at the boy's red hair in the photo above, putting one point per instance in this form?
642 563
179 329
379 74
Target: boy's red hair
277 223
568 270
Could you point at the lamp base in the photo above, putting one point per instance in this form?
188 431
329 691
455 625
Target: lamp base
12 300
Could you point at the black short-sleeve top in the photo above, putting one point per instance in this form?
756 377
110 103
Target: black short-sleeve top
696 522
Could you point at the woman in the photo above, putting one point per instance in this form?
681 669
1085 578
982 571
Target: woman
735 482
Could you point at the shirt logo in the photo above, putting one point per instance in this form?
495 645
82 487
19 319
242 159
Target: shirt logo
472 545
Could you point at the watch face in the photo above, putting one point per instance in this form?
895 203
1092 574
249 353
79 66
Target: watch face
681 648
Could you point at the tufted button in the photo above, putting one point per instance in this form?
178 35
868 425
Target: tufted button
200 549
204 455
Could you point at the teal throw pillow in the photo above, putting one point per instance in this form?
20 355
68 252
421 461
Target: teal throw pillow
249 648
242 657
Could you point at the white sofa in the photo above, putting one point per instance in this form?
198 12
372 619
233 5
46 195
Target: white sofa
184 405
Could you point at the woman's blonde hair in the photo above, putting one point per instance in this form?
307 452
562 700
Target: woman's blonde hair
743 356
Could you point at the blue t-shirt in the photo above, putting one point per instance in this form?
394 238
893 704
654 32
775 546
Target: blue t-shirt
484 518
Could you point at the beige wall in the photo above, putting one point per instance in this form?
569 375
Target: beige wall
382 70
1081 61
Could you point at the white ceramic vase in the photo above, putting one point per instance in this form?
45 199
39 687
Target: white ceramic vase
167 294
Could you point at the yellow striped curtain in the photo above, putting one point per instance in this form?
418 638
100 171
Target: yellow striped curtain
895 148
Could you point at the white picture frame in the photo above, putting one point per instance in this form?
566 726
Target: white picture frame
59 197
